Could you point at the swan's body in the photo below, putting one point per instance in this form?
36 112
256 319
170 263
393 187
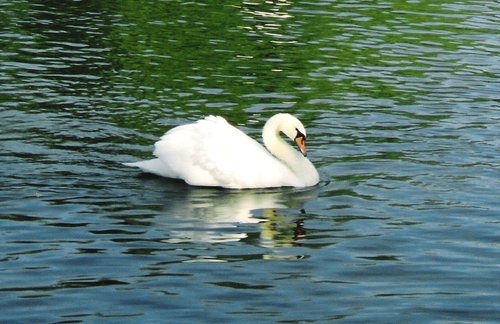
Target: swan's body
211 152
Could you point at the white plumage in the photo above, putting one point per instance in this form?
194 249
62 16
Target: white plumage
211 152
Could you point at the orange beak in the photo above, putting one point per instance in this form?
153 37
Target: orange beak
301 144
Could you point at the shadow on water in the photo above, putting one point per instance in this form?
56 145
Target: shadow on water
197 214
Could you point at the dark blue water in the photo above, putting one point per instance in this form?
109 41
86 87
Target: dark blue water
401 104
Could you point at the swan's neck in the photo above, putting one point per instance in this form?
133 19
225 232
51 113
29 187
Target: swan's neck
292 158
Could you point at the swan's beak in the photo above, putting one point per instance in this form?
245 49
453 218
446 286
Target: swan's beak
301 144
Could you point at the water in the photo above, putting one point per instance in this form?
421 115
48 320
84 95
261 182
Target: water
401 103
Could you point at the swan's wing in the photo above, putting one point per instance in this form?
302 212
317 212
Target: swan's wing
211 152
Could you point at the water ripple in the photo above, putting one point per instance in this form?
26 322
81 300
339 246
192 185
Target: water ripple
401 105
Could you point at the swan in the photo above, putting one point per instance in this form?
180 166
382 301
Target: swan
211 152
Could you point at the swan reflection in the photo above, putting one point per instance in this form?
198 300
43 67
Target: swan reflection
215 215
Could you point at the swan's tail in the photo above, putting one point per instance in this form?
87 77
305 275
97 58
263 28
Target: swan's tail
155 166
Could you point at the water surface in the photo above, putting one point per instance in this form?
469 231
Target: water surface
401 104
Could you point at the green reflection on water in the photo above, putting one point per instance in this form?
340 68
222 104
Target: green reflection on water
145 64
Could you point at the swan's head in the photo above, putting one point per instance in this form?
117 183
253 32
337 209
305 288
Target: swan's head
292 128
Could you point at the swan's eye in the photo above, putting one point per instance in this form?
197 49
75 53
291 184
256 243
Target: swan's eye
300 140
300 135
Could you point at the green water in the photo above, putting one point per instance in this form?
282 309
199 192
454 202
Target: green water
401 103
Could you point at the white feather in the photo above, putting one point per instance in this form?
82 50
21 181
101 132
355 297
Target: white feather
211 152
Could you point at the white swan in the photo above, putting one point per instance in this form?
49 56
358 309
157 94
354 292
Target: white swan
211 152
